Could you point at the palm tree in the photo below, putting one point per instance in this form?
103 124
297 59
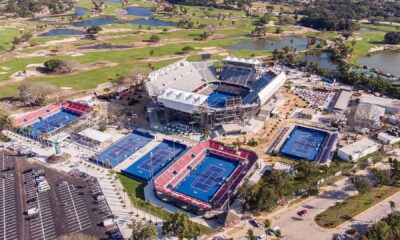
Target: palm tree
205 133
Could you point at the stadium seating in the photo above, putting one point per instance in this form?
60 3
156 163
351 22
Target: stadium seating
41 113
324 155
178 170
76 108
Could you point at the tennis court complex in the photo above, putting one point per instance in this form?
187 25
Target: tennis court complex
155 160
206 179
50 124
124 148
217 99
304 143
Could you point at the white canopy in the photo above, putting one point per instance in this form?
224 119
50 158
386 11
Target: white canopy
95 135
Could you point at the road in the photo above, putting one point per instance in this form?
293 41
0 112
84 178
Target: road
295 227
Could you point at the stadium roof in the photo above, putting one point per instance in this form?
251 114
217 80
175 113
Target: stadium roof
391 105
264 87
181 100
343 100
242 60
366 111
359 147
181 75
95 135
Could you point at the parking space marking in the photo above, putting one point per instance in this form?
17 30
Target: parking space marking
43 226
8 208
78 218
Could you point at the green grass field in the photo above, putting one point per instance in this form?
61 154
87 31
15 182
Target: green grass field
346 210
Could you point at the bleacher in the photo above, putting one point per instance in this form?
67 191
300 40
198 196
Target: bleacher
76 108
177 171
327 148
236 75
41 113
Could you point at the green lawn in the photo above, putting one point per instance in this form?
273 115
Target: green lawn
381 27
344 211
7 35
368 39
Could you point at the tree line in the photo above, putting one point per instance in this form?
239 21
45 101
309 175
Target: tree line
338 15
28 8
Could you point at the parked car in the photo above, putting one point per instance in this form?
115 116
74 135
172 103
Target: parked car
255 223
302 212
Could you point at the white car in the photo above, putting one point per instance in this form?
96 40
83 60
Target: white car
32 211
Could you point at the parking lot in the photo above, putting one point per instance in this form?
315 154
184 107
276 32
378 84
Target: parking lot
6 162
8 208
74 208
42 225
101 206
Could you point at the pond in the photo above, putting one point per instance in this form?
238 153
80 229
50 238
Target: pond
384 61
110 20
269 44
322 60
80 11
152 22
95 22
139 11
105 46
61 32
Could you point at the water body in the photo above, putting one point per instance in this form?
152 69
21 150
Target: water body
104 46
80 11
152 22
322 60
139 11
384 61
365 29
61 32
112 1
109 20
95 22
268 44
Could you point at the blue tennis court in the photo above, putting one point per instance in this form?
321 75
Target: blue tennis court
206 179
155 160
303 143
50 124
124 148
217 99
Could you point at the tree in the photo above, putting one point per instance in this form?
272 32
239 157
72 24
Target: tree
281 181
154 38
5 121
392 205
93 30
250 235
187 49
180 226
380 231
395 169
142 231
392 38
267 223
35 92
383 175
363 185
59 66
